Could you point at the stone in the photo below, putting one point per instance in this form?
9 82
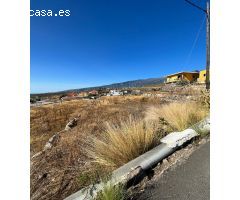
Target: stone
51 142
165 161
72 123
47 146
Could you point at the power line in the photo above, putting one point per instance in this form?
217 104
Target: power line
200 8
207 13
195 42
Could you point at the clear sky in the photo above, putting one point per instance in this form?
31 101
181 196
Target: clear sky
109 41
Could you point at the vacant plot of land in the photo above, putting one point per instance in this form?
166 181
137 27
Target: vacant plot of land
65 167
68 166
49 119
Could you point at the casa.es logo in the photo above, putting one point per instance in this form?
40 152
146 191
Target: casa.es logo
50 13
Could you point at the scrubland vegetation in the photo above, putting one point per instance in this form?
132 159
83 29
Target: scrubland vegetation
110 132
47 120
178 115
119 144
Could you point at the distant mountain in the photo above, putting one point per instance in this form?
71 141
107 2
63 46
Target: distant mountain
127 84
136 83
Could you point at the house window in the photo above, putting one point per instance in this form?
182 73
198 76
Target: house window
179 76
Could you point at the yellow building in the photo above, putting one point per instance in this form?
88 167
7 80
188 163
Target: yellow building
183 76
202 76
83 94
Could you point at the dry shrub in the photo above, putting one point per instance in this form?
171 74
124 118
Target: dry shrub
205 98
179 115
119 144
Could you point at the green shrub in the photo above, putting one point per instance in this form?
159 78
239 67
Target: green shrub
111 192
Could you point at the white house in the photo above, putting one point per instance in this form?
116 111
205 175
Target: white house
115 93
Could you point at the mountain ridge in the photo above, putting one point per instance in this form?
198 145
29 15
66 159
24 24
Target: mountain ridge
120 85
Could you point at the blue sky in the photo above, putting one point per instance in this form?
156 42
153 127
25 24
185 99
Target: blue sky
108 41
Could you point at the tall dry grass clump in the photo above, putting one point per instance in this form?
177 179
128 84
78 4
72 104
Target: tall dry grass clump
205 99
119 144
179 115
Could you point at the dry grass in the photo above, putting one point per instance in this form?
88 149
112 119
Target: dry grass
65 168
49 119
188 91
120 144
205 99
179 115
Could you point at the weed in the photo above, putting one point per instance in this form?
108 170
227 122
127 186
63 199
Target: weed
111 192
92 176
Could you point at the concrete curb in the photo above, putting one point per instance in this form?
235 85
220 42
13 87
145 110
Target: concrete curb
137 166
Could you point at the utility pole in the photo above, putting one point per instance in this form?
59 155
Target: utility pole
207 13
208 47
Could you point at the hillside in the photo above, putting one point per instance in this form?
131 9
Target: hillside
127 84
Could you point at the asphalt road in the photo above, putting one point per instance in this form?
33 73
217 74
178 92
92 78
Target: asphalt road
188 181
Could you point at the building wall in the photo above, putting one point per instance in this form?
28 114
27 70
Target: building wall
172 79
183 76
202 76
83 94
190 77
